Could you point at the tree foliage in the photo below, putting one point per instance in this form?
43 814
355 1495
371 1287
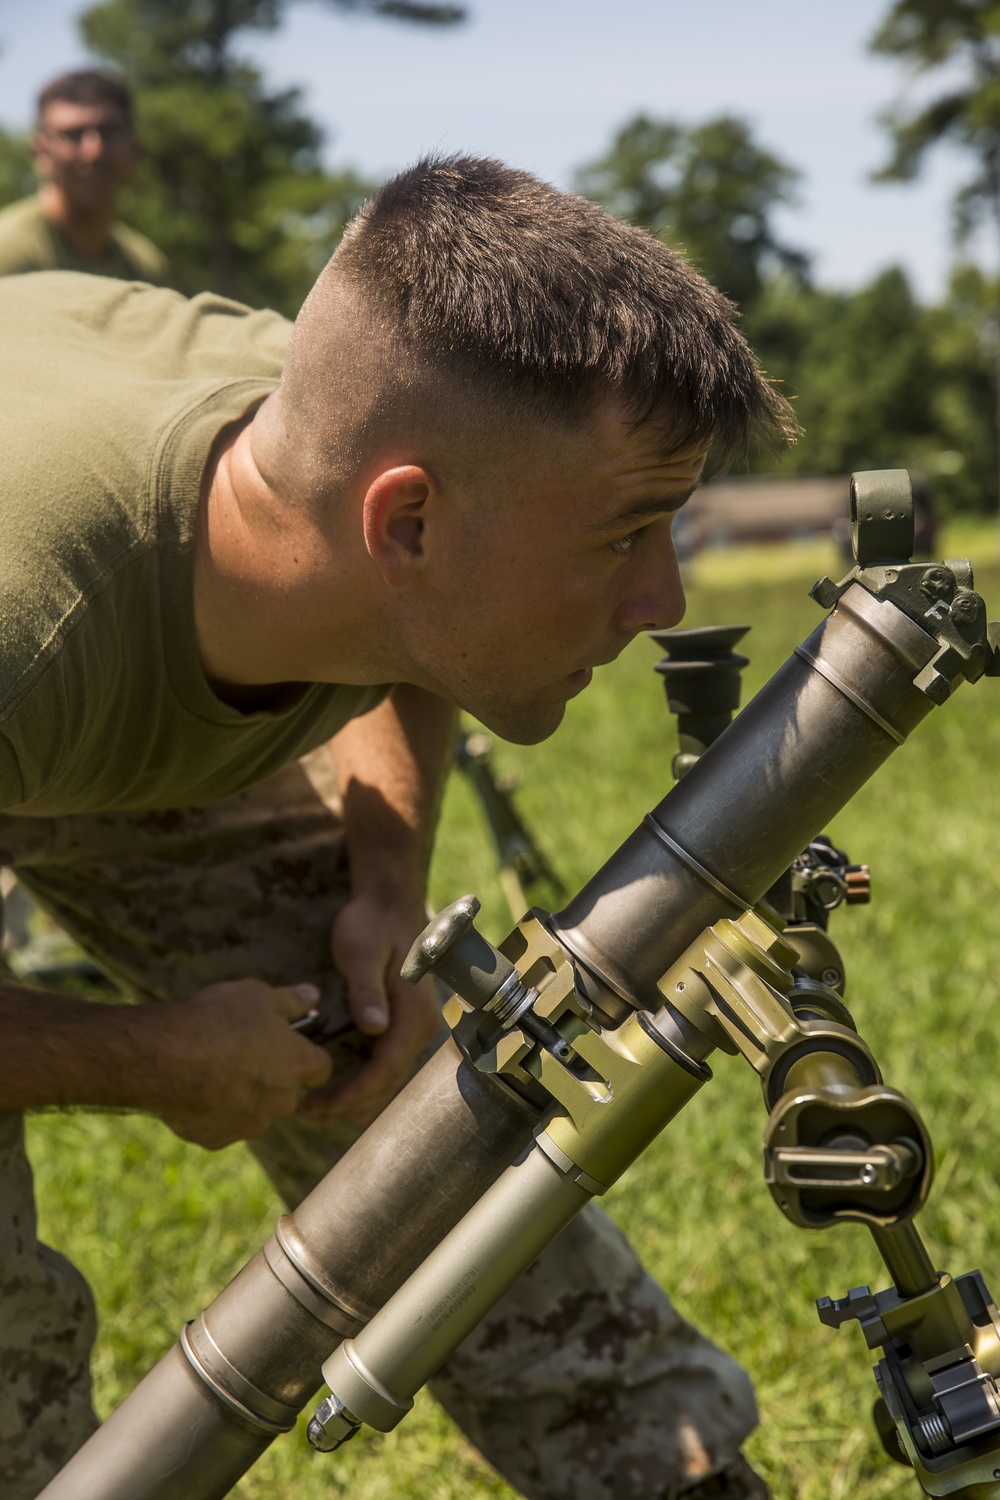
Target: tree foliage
880 381
962 37
17 176
708 190
232 186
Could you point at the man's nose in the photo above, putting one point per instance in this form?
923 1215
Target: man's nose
92 143
655 600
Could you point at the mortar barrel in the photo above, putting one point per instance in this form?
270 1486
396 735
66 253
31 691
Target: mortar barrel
788 763
243 1370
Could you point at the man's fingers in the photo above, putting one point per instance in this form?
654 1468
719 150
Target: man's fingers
375 1083
295 1000
416 1021
358 1101
367 1000
282 1103
318 1066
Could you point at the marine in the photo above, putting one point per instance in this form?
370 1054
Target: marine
250 572
85 151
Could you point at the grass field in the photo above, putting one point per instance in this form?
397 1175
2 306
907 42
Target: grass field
159 1227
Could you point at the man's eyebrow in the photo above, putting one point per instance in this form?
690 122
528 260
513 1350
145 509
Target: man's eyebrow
643 509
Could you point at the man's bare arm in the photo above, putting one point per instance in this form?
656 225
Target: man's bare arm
220 1068
391 766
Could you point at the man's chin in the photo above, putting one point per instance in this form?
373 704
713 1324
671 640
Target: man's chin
93 195
523 726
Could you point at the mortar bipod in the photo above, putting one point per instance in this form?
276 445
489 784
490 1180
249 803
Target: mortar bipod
839 1145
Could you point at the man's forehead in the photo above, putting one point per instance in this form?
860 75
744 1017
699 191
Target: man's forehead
624 454
63 112
613 442
597 489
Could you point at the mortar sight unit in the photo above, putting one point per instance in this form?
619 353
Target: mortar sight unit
577 1040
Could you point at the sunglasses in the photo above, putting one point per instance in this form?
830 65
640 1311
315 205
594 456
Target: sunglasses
73 135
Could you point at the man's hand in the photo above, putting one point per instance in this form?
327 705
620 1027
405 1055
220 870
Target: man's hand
390 768
236 1064
220 1068
369 944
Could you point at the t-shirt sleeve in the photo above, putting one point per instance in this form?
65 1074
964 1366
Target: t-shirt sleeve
19 256
11 782
24 245
144 260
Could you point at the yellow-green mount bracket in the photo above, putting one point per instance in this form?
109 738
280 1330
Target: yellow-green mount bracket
606 1092
838 1144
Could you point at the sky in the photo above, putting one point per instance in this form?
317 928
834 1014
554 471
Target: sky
544 84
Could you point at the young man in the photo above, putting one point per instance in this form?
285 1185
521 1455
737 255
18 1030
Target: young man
85 152
222 546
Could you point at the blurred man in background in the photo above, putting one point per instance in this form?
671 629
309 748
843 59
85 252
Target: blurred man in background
85 151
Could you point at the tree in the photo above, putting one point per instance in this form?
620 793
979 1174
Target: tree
880 381
709 190
17 176
863 395
962 37
232 186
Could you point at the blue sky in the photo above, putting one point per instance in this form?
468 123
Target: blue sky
543 83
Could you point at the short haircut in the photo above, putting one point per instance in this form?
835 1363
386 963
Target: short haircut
87 86
538 298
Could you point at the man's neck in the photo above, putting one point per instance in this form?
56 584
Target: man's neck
275 601
88 230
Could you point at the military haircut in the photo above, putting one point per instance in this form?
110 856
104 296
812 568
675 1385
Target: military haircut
541 299
86 86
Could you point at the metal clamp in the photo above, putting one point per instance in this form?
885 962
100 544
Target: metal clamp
874 1169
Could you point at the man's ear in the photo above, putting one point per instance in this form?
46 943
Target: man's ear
395 519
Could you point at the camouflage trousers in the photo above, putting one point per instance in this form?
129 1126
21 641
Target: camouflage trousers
583 1382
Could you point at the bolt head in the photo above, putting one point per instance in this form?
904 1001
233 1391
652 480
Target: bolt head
966 608
331 1424
937 583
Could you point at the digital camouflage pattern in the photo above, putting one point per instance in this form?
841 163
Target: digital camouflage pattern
610 1393
48 1326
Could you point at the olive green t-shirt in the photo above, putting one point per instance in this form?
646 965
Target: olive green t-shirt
113 394
29 241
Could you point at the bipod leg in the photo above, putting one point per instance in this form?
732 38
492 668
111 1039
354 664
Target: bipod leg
841 1146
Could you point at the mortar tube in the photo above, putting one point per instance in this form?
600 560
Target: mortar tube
790 761
241 1372
786 765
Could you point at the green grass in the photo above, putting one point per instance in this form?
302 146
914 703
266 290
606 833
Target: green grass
159 1227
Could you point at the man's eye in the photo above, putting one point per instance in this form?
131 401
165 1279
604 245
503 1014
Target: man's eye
626 544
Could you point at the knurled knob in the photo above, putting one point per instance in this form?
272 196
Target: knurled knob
451 948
